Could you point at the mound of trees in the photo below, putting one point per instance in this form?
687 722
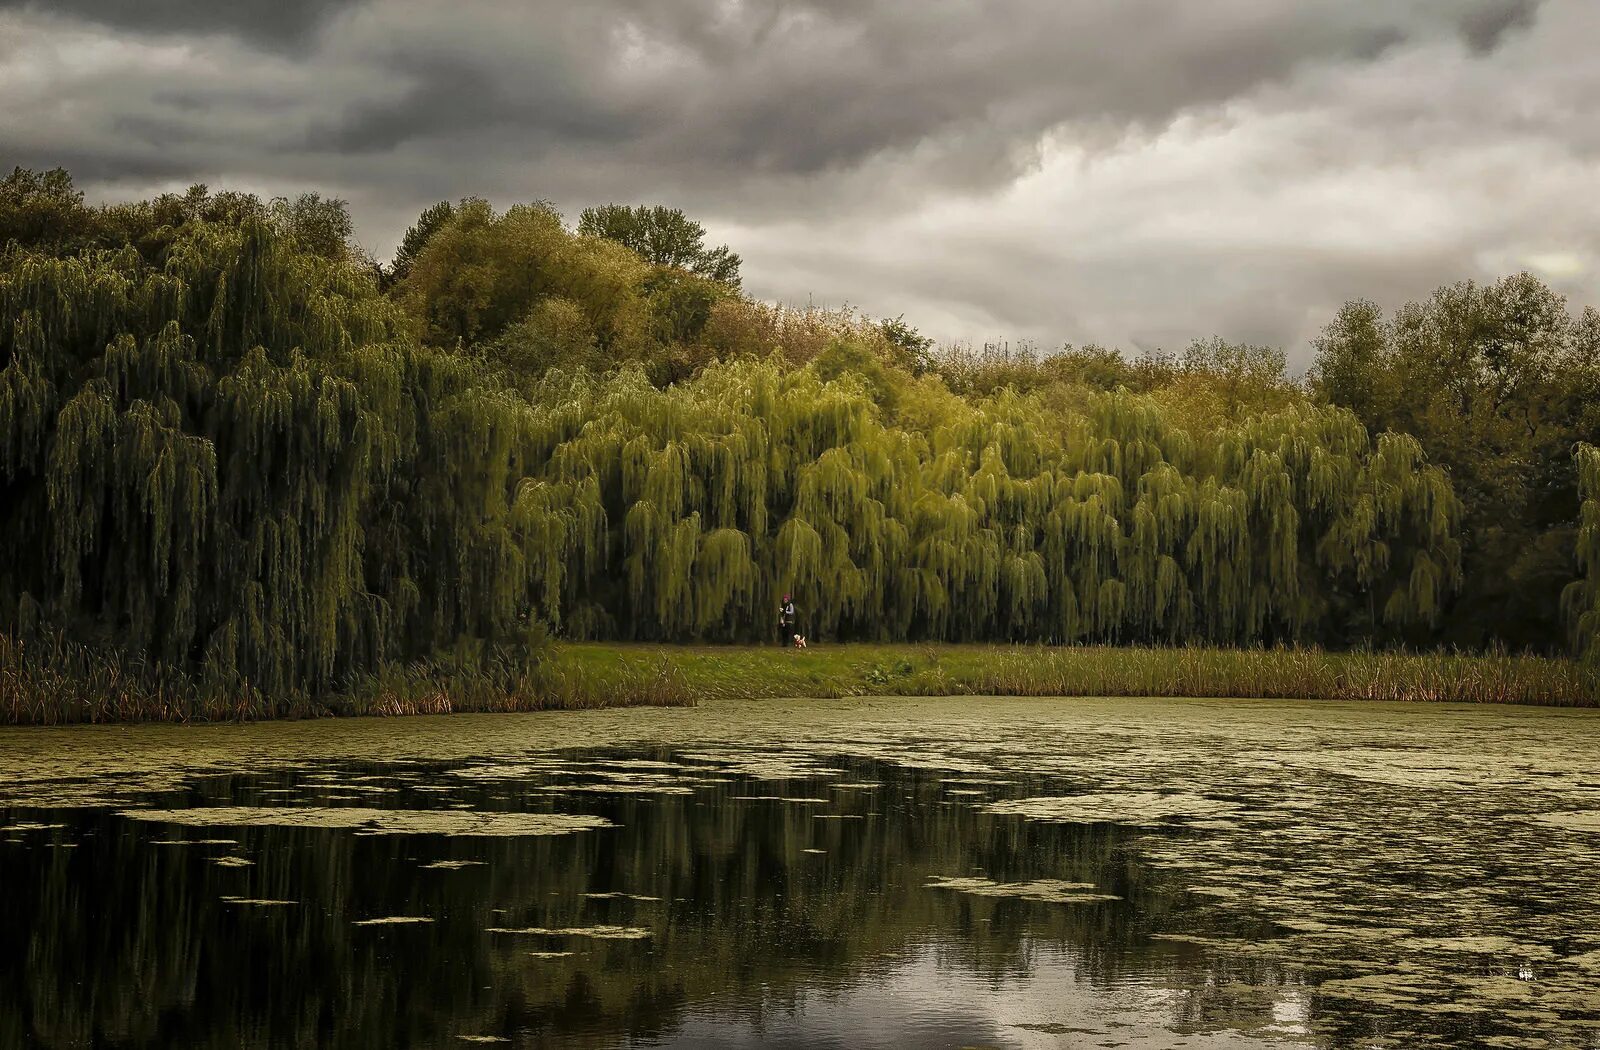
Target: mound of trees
1498 382
1582 597
237 445
683 514
222 448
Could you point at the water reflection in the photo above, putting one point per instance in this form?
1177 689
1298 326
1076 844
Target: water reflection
734 902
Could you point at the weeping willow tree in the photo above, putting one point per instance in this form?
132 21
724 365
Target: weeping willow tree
684 513
1582 596
228 455
223 449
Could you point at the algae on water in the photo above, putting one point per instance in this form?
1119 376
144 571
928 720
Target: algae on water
1131 807
617 933
377 821
1051 891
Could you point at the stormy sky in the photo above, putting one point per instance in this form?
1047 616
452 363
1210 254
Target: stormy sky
1132 172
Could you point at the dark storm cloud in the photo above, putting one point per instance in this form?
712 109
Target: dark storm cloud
266 22
1114 169
1485 26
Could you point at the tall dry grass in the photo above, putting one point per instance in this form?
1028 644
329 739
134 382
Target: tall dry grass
49 680
1495 678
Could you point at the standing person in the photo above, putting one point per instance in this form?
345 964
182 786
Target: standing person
786 621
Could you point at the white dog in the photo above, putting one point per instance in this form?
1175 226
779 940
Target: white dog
799 641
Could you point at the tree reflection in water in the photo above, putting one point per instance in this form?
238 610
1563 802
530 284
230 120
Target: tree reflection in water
793 923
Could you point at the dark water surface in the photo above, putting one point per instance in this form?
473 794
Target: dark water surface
821 874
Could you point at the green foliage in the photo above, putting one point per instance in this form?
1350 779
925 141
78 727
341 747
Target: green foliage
915 350
432 219
480 273
242 462
663 237
40 208
1582 596
1497 382
231 461
691 510
316 224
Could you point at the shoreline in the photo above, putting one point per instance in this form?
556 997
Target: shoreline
592 675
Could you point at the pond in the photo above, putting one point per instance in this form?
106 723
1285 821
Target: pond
858 873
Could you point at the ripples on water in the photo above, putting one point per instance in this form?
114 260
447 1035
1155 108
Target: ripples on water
1005 874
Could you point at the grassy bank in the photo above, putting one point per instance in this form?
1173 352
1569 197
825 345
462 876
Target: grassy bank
992 670
51 681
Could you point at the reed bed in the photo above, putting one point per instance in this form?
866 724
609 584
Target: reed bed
49 680
1444 677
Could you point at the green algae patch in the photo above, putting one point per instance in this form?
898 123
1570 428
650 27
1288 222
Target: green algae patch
256 902
1479 945
1133 807
605 933
1048 891
194 842
378 821
618 789
1580 820
393 920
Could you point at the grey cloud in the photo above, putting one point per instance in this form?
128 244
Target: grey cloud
875 149
267 22
1486 26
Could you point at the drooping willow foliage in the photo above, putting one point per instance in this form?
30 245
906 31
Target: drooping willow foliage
1582 597
232 458
684 514
229 452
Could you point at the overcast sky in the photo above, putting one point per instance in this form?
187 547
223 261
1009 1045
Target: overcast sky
1133 172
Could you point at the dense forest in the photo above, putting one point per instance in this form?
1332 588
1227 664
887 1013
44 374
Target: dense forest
232 442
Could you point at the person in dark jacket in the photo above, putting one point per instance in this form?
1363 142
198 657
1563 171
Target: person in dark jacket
786 621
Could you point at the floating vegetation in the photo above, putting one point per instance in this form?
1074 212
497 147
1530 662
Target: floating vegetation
378 821
607 933
1139 807
619 789
776 798
31 827
548 955
453 865
194 842
1050 891
393 920
233 862
1583 820
1310 845
503 771
256 902
617 896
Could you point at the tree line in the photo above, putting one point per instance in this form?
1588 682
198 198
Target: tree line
236 443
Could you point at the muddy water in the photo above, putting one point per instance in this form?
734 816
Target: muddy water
1006 873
